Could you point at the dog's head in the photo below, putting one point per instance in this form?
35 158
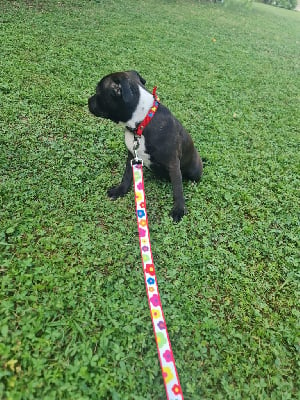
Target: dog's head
117 96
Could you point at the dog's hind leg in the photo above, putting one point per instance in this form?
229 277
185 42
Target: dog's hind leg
120 190
194 170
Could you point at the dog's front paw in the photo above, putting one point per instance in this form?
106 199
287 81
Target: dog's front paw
177 213
115 192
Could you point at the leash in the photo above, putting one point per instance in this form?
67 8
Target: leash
165 354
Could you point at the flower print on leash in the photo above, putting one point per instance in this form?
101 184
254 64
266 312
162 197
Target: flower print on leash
163 344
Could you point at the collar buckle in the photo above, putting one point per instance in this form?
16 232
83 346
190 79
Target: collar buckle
136 145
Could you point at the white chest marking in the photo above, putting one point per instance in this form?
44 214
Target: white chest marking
142 108
141 151
144 104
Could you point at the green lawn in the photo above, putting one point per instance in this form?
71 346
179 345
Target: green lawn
74 318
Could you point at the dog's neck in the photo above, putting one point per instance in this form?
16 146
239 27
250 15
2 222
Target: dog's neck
142 108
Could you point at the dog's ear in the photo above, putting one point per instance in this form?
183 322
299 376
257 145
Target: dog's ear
143 81
136 75
122 89
116 89
126 90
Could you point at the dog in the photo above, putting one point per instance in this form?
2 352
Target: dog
164 145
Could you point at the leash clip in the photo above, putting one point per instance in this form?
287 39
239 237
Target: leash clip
136 145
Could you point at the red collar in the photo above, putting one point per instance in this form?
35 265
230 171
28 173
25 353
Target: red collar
142 125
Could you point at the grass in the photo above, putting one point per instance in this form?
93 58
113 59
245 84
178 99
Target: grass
74 319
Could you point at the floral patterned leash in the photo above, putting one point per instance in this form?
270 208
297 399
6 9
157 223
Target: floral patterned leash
165 354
